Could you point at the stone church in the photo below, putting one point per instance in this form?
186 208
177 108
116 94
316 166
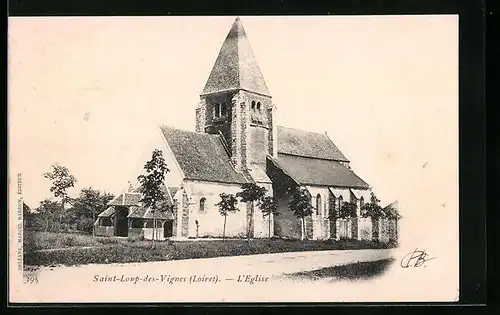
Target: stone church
237 140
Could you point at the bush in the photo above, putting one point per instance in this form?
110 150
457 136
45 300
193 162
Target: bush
139 250
69 241
107 240
85 224
135 238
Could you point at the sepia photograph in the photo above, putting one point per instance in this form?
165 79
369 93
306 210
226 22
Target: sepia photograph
171 159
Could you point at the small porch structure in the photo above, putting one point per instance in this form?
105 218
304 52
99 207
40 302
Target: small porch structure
126 216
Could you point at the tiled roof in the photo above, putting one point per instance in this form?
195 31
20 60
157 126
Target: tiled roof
235 66
308 144
145 213
136 209
259 175
310 171
173 190
136 212
131 198
108 212
164 211
166 214
201 156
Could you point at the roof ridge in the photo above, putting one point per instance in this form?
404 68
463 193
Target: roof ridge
309 157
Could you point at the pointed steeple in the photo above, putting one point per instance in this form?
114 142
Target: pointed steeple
236 67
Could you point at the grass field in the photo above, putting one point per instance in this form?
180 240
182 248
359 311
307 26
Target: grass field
355 271
48 249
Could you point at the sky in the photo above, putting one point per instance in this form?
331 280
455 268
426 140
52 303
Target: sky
88 93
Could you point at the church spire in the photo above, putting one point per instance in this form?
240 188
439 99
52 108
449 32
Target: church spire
235 67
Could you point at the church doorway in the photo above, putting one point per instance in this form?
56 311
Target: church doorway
121 221
168 228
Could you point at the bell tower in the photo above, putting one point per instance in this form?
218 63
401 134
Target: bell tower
237 104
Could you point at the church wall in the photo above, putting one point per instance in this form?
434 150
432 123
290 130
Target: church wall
365 193
238 128
175 210
214 124
184 216
261 223
256 127
201 111
273 132
365 229
210 222
286 225
258 141
320 221
156 140
173 177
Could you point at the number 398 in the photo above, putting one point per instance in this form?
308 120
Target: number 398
30 280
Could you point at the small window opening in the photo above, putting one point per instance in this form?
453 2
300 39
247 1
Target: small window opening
202 204
217 110
223 109
318 204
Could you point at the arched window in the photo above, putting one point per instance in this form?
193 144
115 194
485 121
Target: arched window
253 104
202 204
333 204
217 110
258 106
341 201
223 110
361 202
318 204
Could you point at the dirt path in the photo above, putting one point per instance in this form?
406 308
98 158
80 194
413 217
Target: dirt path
218 279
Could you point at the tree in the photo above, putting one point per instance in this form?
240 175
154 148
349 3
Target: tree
374 211
332 216
269 207
374 199
391 212
27 216
61 180
348 210
227 204
250 192
89 204
300 204
46 211
151 185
